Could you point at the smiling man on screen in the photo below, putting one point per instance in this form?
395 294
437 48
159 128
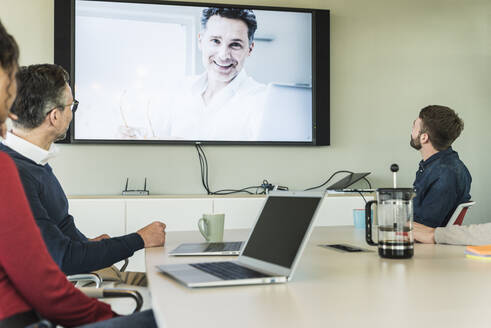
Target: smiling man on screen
224 102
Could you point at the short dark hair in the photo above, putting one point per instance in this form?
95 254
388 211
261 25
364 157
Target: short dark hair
9 54
441 124
9 51
245 15
40 89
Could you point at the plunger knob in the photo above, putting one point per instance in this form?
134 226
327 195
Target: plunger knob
394 168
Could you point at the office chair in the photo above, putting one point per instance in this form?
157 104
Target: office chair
112 277
458 215
100 293
92 277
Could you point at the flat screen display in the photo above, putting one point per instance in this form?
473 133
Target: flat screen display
148 71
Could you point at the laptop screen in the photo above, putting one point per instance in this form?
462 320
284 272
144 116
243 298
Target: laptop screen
280 229
347 181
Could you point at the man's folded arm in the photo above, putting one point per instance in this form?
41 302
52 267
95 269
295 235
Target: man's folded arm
475 234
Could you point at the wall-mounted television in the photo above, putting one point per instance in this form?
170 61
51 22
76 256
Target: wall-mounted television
182 72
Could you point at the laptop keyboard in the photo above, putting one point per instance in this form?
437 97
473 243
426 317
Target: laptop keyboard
228 270
224 247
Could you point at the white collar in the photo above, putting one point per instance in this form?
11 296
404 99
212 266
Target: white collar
29 150
202 83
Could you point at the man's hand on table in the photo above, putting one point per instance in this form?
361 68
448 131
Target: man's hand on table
423 234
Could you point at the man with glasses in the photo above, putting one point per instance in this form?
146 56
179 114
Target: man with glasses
42 113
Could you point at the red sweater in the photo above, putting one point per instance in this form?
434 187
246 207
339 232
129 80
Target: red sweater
29 278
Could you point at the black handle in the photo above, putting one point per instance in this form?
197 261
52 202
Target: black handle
368 221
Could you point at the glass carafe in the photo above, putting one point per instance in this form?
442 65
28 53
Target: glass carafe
395 222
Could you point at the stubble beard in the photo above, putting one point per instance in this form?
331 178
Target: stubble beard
415 143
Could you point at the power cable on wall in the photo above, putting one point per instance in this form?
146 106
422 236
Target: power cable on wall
260 189
203 162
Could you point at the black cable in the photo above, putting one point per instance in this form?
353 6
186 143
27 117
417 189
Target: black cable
362 196
206 171
233 191
369 184
332 176
203 162
204 168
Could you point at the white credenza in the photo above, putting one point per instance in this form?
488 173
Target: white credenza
116 216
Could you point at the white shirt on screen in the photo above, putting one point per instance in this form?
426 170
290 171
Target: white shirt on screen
234 113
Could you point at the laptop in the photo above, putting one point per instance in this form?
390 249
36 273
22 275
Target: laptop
347 181
208 249
270 254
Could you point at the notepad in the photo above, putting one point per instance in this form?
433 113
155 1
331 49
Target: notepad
478 257
479 250
482 253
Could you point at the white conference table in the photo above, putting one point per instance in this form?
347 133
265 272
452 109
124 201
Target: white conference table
438 287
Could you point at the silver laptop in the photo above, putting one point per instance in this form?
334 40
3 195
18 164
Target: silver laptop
208 249
271 252
347 181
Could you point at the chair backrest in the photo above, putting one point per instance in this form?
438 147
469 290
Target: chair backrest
459 213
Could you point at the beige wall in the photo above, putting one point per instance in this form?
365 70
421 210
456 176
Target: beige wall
389 58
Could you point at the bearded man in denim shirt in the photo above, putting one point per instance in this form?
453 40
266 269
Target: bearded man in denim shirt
442 180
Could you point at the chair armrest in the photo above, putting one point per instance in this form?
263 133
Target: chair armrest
125 265
86 276
114 293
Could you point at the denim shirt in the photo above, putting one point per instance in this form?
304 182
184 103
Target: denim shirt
442 183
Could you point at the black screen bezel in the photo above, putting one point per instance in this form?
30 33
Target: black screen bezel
64 55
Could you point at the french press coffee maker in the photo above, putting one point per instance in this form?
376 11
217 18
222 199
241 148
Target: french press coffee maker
395 221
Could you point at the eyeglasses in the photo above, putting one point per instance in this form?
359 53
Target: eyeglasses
73 106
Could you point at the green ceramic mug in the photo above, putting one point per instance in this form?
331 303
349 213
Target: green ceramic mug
211 227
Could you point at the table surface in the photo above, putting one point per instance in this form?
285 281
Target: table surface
438 287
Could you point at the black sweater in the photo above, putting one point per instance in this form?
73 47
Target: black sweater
70 249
